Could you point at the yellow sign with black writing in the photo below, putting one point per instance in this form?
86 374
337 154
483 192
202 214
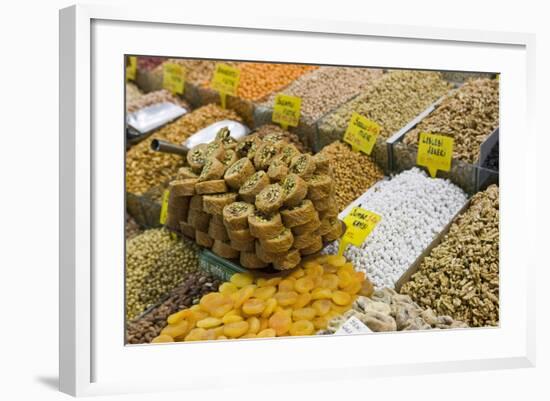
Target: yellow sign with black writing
359 224
435 152
361 133
164 207
225 81
173 78
286 110
131 68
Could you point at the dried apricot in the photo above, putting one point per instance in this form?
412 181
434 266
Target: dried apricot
348 268
302 300
315 270
178 316
264 323
241 279
304 284
360 276
367 289
227 288
273 281
344 278
253 324
243 295
286 285
236 329
322 306
196 335
336 260
261 282
304 314
321 293
209 323
265 292
266 333
231 318
221 338
339 309
221 310
253 306
176 330
162 338
341 298
209 335
301 328
270 306
286 298
249 335
320 323
329 281
330 269
280 322
353 288
298 273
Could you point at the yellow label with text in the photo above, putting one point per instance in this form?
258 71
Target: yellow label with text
361 133
226 79
435 152
286 110
173 77
359 224
164 207
131 68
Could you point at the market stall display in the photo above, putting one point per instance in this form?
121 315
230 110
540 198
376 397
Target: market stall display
160 96
460 277
245 307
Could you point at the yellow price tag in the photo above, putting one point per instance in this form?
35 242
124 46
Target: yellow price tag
435 152
286 110
173 77
226 81
164 207
361 133
359 225
131 68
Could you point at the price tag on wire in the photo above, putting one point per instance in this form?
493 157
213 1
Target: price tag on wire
361 133
359 224
435 152
131 68
164 207
173 78
225 81
286 110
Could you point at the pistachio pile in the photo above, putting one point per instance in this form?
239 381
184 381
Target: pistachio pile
353 172
146 168
386 310
155 264
194 286
469 115
391 101
326 88
258 200
460 277
155 97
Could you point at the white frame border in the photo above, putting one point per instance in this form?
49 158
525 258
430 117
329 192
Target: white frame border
75 342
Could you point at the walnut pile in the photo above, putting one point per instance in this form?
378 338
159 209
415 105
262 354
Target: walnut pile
460 277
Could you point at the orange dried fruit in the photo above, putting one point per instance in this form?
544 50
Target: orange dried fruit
162 338
196 335
286 285
330 281
264 323
321 293
243 295
353 288
178 316
209 335
265 292
209 323
253 306
301 328
336 260
322 306
367 288
280 322
176 330
341 298
228 288
253 325
236 329
320 323
241 279
302 300
344 278
304 314
273 281
270 306
298 273
231 319
286 298
249 335
304 284
266 333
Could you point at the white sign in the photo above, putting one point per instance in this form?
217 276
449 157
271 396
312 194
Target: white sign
353 326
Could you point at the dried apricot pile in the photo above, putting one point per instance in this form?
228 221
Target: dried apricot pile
299 304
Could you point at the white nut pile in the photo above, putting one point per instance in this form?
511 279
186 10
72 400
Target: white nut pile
414 209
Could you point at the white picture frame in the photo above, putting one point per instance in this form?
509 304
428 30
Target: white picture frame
93 40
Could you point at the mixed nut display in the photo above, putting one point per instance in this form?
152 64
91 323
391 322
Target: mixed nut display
281 207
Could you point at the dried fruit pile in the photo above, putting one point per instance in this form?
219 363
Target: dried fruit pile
387 310
297 305
146 168
391 101
257 200
155 264
354 172
469 115
460 277
155 97
194 286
